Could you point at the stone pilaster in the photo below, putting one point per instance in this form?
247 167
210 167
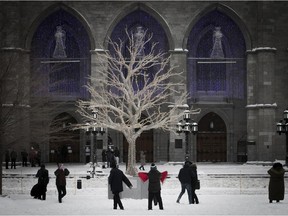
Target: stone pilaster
179 59
261 106
95 66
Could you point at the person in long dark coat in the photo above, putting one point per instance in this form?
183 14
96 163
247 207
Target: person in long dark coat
24 155
154 187
43 180
13 156
61 174
104 158
193 184
7 159
185 177
276 182
115 180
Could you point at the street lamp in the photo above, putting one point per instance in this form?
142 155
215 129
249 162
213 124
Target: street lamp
187 125
282 127
93 130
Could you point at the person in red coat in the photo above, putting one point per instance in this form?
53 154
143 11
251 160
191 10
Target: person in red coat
61 174
115 179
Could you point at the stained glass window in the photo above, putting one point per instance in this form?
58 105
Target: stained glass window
136 22
60 53
216 58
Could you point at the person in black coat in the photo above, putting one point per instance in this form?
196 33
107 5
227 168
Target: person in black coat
194 182
185 177
104 158
61 174
276 182
7 158
154 187
43 180
115 179
13 156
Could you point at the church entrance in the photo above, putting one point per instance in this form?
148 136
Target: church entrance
64 143
212 139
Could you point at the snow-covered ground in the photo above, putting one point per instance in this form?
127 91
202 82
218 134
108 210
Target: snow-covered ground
226 189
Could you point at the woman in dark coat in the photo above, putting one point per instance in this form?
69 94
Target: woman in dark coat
61 174
276 183
154 187
115 179
194 182
43 180
185 177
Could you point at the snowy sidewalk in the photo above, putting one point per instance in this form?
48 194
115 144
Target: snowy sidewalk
226 189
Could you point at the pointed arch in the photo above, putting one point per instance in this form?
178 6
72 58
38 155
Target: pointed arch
225 10
141 7
212 139
60 53
209 79
50 10
64 144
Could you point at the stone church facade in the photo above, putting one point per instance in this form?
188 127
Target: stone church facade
233 54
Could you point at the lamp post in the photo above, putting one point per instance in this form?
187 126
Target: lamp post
187 125
282 127
93 130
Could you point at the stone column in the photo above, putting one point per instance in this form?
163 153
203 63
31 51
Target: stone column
260 103
179 59
95 65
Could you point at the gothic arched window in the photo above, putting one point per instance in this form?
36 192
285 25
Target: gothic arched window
136 22
60 56
216 58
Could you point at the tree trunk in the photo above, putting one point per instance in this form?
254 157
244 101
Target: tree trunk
131 167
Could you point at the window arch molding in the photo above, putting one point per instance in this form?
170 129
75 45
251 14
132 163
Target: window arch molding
143 7
226 10
210 78
50 10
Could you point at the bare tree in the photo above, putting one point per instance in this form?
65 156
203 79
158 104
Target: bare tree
125 87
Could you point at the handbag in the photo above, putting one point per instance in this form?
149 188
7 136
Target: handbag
197 185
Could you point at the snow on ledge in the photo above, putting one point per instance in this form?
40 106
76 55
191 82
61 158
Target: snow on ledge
263 49
179 50
274 105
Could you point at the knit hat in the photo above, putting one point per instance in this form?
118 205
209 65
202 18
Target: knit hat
153 166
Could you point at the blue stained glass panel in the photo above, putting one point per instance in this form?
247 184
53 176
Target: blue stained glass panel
204 74
68 75
147 22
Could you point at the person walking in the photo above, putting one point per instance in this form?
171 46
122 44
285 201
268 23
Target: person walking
7 159
276 182
185 177
110 156
43 180
104 158
115 180
117 156
154 187
142 160
194 183
61 174
13 156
